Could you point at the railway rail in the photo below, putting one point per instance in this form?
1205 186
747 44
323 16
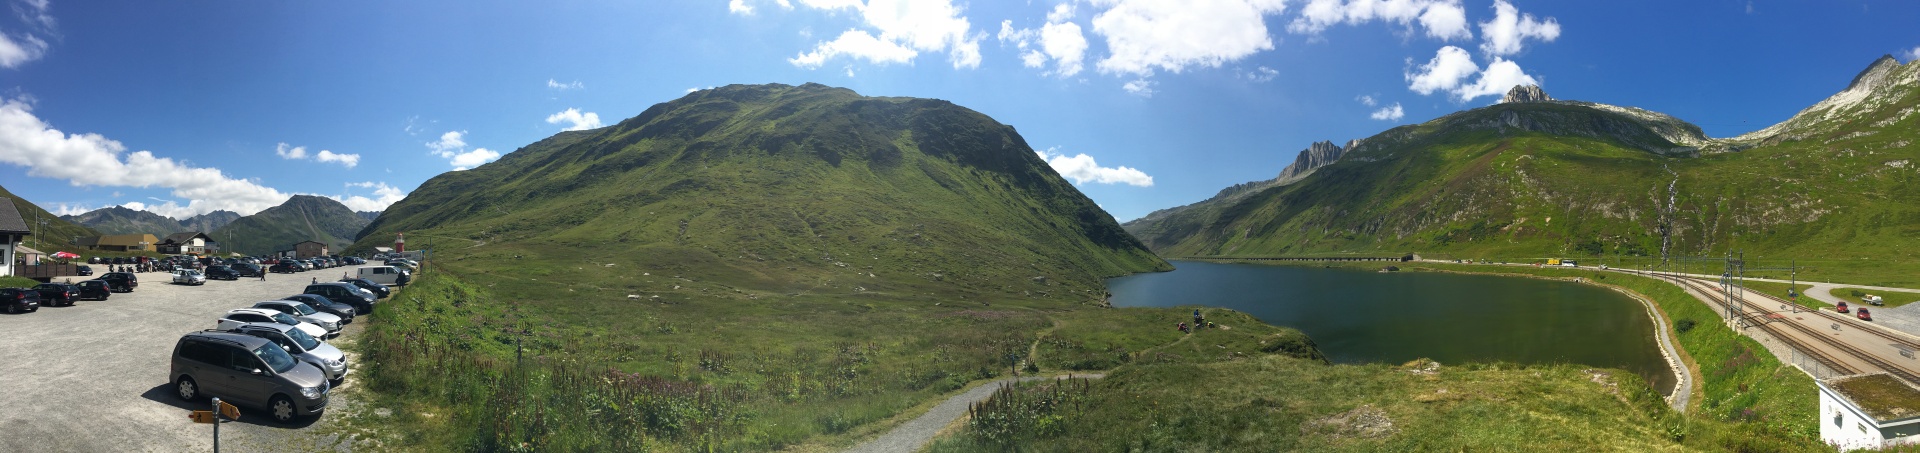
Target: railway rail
1706 286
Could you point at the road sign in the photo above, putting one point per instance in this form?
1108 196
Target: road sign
201 416
228 411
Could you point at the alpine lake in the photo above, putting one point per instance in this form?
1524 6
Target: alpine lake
1359 316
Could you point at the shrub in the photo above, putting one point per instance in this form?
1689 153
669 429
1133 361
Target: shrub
1683 325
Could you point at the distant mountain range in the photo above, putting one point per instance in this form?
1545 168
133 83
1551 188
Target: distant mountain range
1533 176
301 218
121 220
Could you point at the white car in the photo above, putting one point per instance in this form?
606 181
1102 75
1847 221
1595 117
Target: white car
236 317
189 277
304 313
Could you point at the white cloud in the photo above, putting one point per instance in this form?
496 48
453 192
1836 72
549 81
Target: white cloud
1081 168
1139 87
94 160
739 7
1912 54
383 196
453 147
856 44
1445 71
349 160
21 47
555 84
1059 40
1144 35
1500 76
1749 6
1442 19
1262 74
1450 67
1367 99
899 31
290 152
578 121
1389 113
1507 33
63 209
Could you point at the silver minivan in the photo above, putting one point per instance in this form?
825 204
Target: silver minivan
302 346
248 371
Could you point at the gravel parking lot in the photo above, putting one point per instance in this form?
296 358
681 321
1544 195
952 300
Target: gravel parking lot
93 377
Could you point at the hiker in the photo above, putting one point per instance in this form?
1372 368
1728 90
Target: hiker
316 280
1183 327
1197 319
263 275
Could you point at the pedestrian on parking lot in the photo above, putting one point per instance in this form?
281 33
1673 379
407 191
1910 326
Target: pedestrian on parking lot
263 275
316 280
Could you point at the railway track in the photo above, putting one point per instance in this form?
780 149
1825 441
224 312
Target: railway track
1825 359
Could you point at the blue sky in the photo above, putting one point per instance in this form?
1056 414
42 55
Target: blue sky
186 107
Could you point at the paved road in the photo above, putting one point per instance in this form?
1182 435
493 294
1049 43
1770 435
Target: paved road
93 377
914 435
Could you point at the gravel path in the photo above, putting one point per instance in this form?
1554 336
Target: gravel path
93 377
914 435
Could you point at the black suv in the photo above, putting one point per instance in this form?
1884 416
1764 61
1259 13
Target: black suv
83 270
93 289
123 282
342 293
20 299
222 273
377 289
246 269
57 294
321 303
283 267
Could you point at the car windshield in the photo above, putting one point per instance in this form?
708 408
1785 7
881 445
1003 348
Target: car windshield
276 358
284 319
306 341
303 309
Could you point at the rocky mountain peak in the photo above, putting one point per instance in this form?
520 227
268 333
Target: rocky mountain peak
1525 93
1319 154
1875 74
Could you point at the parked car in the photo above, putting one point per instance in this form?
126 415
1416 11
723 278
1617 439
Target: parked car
386 275
303 347
246 270
378 290
120 281
344 311
239 316
283 267
305 313
1840 307
20 300
83 270
301 266
404 263
222 273
1864 315
248 371
361 300
189 277
57 294
94 290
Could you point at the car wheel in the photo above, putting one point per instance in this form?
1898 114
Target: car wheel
187 389
13 309
282 409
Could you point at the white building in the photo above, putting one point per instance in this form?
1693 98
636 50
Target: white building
12 230
1868 411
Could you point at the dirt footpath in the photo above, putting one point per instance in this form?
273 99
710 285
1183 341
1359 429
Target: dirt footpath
93 377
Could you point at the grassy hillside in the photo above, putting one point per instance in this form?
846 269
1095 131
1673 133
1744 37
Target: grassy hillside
120 220
56 235
1501 182
301 218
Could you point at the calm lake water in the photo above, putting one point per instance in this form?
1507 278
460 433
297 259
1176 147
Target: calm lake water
1363 316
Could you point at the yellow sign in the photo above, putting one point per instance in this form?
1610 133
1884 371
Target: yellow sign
201 416
228 411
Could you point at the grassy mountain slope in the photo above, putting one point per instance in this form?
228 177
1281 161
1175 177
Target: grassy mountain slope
784 189
56 235
301 218
120 220
1572 179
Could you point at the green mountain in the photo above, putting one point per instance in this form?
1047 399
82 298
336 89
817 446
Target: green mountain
55 235
784 188
301 218
1534 177
121 220
208 222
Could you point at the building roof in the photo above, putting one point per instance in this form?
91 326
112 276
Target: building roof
10 221
182 238
297 244
1880 395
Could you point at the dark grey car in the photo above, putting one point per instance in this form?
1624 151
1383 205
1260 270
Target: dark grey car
249 371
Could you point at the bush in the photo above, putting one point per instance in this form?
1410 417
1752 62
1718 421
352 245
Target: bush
1857 293
1683 325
